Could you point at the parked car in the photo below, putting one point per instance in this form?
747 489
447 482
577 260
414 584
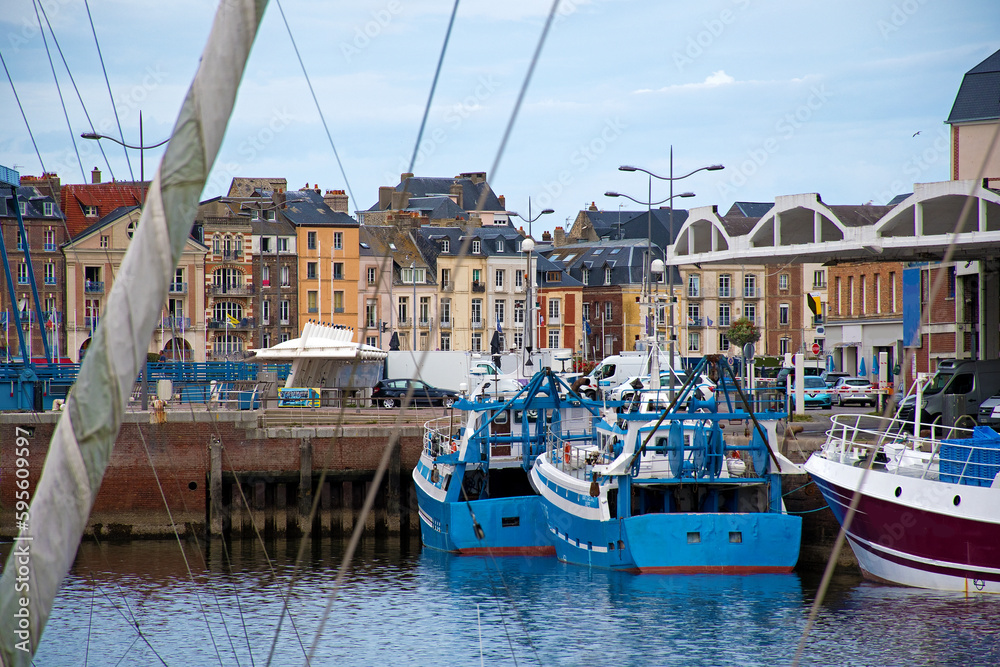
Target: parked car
854 390
390 393
704 387
831 377
989 412
816 392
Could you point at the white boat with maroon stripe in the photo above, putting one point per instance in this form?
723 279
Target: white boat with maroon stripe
928 515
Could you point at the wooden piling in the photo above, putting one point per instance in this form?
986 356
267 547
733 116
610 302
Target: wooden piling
215 504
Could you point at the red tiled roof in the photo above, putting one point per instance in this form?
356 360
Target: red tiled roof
105 196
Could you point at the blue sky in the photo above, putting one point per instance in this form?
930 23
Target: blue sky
791 96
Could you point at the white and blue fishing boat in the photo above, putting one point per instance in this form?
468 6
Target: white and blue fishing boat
660 490
471 480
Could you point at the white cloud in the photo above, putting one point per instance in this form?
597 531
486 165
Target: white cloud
713 80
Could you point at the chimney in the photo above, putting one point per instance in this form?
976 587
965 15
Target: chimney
455 192
95 175
336 200
476 177
593 206
559 237
405 175
385 197
546 237
503 202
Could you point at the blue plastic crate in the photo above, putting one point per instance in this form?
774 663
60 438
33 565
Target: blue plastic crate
971 461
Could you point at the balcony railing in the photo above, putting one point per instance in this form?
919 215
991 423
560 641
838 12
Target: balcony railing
694 293
518 325
499 288
231 290
821 285
425 323
695 321
314 309
447 286
477 324
231 255
245 323
445 324
176 323
478 287
752 293
519 289
93 287
178 288
338 310
50 280
403 322
49 247
91 322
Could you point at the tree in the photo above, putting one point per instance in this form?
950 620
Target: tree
743 331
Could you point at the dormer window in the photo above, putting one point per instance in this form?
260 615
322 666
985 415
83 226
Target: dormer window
607 275
90 211
552 276
476 247
445 245
585 276
47 208
500 245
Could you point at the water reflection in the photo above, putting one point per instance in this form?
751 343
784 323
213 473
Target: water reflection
405 606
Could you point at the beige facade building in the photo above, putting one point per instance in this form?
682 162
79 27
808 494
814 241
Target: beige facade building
93 259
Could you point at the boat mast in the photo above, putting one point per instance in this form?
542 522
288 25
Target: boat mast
85 435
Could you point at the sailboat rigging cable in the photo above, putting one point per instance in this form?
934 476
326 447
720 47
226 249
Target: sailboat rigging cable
17 97
76 88
111 97
62 102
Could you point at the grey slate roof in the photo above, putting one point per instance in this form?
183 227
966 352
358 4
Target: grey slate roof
437 208
34 198
738 225
486 235
898 199
307 208
420 187
750 209
625 258
979 95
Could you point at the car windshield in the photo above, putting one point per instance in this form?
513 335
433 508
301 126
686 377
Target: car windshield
937 383
813 381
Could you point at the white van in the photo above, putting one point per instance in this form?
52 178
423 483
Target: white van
620 367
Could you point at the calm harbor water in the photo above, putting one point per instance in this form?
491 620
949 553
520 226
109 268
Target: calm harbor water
405 606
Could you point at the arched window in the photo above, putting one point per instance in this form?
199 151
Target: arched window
228 279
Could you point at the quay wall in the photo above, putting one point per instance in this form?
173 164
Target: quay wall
266 479
156 467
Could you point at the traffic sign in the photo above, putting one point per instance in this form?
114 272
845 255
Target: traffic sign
815 348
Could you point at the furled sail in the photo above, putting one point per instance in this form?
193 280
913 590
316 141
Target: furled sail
83 439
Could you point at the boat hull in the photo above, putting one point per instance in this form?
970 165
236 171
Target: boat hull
514 525
676 542
917 532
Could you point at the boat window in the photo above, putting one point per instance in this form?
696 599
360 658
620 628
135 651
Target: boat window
962 384
694 538
735 537
502 417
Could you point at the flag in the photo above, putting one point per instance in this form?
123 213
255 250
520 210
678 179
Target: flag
499 329
586 326
709 319
232 320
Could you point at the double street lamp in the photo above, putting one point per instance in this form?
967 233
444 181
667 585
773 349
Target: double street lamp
670 227
529 219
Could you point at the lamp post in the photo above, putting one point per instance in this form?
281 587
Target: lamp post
649 247
670 227
413 316
141 147
142 178
527 245
656 268
529 219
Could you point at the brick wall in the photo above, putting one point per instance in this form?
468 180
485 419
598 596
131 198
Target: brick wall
130 496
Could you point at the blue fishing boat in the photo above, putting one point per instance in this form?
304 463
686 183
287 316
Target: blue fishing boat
658 489
471 481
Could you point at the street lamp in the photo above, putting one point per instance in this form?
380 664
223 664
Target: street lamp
527 245
649 241
670 229
529 219
141 148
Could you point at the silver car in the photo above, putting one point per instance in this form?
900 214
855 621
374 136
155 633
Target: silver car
853 390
